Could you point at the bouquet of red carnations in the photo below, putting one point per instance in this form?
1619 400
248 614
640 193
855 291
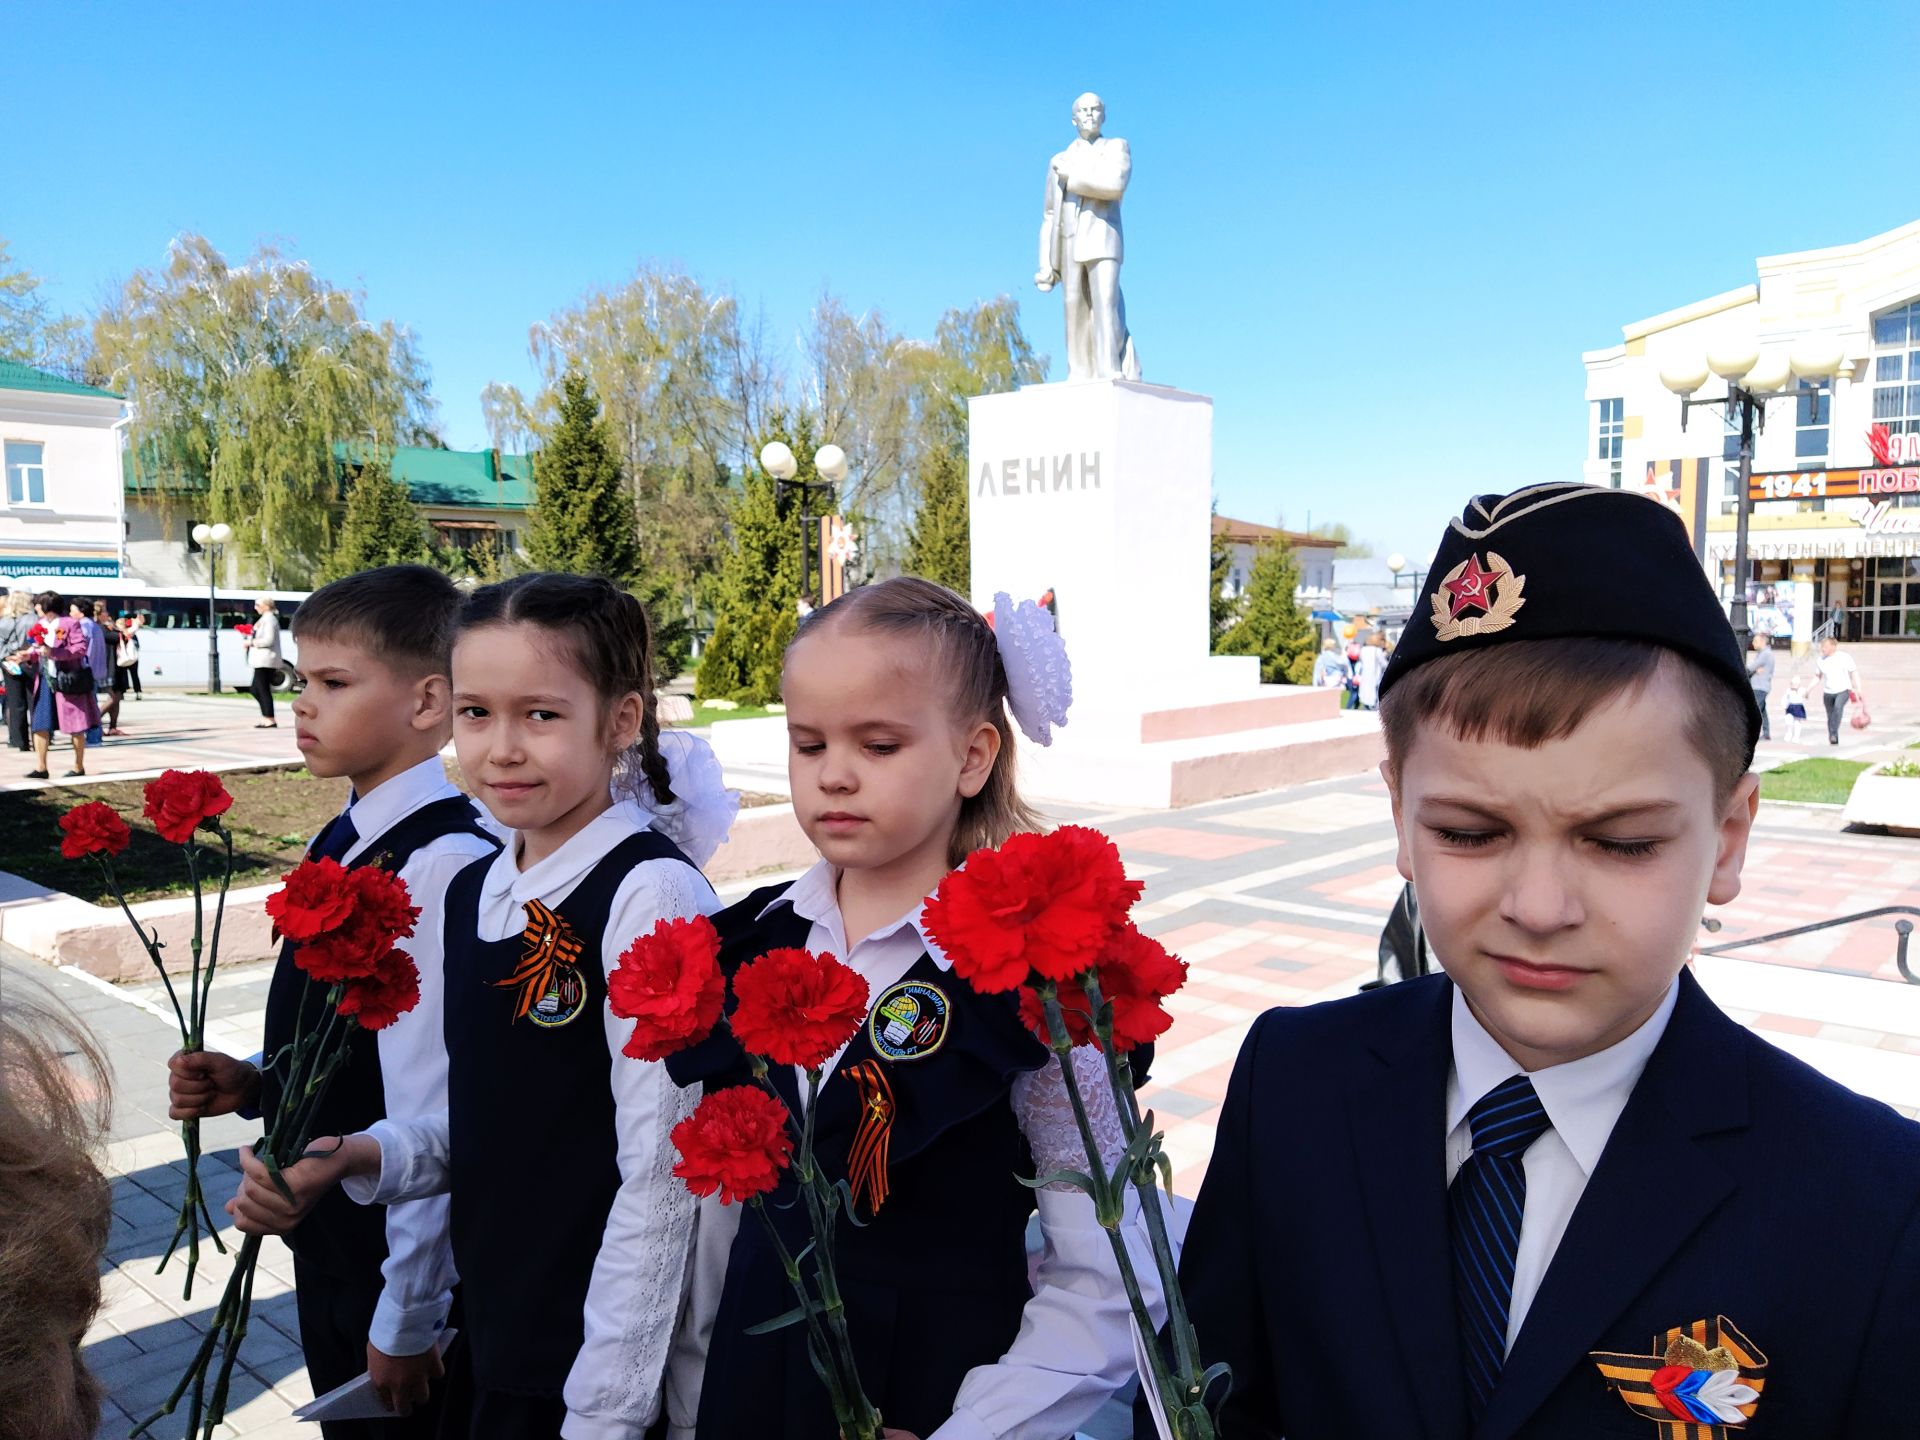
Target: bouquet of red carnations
791 1007
183 806
344 925
1048 915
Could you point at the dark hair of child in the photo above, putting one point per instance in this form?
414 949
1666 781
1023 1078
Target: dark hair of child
401 614
55 1206
608 638
1528 692
958 646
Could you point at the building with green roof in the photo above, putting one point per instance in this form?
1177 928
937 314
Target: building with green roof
61 516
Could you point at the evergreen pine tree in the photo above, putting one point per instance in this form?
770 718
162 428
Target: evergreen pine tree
1221 607
583 520
754 611
938 542
1271 625
380 527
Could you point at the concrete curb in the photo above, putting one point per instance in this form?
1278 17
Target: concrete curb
62 929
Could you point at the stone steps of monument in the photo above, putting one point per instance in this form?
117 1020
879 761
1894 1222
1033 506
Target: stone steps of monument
1193 770
1268 706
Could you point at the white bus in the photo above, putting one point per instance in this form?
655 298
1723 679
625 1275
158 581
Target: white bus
173 632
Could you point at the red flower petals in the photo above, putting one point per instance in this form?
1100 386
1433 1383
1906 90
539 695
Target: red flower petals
736 1142
378 1000
1040 904
180 801
316 898
668 982
93 829
1136 975
344 922
797 1008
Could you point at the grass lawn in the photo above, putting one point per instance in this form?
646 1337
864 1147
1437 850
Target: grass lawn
274 814
704 714
1823 782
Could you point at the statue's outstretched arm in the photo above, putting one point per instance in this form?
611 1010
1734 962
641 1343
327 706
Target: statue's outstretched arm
1101 172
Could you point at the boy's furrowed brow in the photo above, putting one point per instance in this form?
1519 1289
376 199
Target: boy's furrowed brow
1633 810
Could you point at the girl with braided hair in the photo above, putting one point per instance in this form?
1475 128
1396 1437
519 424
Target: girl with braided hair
570 1234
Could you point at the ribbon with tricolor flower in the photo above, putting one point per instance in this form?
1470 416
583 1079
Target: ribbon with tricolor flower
1704 1381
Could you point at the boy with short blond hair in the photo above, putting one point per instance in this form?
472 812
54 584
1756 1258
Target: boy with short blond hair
372 1286
1554 1191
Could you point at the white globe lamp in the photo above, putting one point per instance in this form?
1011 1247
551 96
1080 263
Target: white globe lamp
1732 358
1770 373
1815 357
777 460
1683 377
830 461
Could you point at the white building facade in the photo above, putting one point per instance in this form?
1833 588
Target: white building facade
62 513
1835 501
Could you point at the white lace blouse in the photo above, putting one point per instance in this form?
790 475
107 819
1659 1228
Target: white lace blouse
1074 1347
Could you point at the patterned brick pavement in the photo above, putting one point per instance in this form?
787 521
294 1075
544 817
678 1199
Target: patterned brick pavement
1274 900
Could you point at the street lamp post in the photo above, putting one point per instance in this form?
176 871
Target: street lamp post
210 538
830 463
1752 380
1397 562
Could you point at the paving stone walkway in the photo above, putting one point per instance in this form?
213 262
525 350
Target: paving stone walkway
1274 899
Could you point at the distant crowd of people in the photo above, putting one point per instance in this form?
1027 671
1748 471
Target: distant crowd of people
68 664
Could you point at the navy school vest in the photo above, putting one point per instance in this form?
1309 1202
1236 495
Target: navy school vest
534 1148
934 1283
338 1236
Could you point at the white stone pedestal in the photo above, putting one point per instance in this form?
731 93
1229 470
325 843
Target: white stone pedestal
1101 491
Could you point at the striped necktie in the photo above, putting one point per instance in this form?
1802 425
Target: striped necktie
1485 1204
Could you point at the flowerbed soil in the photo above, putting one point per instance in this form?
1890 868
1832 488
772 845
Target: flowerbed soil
275 812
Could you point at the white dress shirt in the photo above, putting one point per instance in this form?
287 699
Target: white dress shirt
1074 1347
1583 1100
639 1276
418 1271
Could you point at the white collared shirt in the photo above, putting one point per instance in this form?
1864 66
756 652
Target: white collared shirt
1074 1348
639 1277
418 1272
1583 1100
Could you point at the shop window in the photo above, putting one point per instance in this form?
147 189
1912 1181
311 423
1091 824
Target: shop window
1610 419
1896 375
26 472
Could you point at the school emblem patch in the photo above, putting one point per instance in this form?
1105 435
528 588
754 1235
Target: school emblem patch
551 990
1493 590
910 1022
1704 1381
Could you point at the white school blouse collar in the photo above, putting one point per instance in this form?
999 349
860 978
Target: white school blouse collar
1583 1098
394 798
815 898
565 866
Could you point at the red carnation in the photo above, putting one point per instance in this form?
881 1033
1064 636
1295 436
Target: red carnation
316 898
36 632
1045 904
736 1142
243 629
797 1008
668 981
383 997
382 913
1135 976
180 801
93 829
382 902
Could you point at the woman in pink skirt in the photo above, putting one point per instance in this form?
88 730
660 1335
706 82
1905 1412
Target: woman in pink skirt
73 710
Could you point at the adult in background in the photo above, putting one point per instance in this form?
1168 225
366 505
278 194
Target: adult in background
1373 664
16 646
126 659
54 1211
1331 670
63 697
1839 678
263 651
1760 676
99 658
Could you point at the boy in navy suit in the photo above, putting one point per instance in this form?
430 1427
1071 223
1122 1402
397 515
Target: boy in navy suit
1554 1191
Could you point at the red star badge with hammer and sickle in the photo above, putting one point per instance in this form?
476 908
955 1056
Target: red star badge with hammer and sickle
1472 587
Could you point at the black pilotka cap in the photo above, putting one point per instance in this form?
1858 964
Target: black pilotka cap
1556 561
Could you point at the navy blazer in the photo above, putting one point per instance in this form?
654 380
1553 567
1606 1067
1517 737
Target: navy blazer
1738 1183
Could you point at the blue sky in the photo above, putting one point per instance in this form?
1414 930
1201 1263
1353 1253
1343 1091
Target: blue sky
1378 235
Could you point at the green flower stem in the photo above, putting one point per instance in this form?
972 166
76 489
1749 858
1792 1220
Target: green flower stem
1120 1081
213 950
816 1332
149 940
1106 1197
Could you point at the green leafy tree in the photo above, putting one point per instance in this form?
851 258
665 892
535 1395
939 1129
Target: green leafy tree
380 526
242 378
30 331
1346 547
759 581
1270 624
583 518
